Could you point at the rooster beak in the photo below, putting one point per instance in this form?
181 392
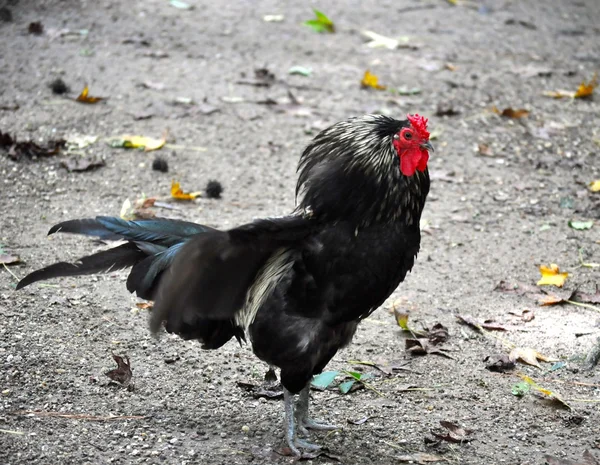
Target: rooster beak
427 146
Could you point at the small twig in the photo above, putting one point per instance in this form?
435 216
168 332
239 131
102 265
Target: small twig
185 147
11 273
595 401
7 431
81 416
581 304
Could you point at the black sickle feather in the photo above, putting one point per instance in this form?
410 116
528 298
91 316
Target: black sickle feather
117 258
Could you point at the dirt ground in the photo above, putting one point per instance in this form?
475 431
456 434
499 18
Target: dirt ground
490 217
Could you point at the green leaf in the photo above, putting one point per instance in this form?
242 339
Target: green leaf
581 225
520 389
324 380
321 24
355 374
346 386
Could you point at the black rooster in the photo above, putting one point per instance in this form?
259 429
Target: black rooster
298 285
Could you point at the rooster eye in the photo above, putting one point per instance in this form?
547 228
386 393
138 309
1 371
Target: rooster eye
408 135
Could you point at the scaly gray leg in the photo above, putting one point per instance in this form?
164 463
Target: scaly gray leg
293 441
304 421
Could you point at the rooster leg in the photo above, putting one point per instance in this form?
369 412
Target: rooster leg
294 443
304 421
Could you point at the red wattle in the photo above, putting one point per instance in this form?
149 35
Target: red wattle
409 161
423 160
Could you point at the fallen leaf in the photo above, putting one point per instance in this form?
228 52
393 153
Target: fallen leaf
321 23
587 459
85 98
529 356
82 164
551 276
511 113
547 392
499 362
595 185
438 334
520 389
581 225
179 194
587 89
584 90
9 259
422 346
371 80
454 433
401 319
139 142
379 41
122 374
554 297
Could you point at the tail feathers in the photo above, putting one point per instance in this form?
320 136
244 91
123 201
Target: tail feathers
145 275
157 230
117 258
87 226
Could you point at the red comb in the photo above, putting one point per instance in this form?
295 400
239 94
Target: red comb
419 124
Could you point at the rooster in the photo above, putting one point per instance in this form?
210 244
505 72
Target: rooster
296 285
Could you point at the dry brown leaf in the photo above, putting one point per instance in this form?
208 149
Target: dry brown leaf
122 374
511 113
499 362
85 98
422 346
529 356
454 433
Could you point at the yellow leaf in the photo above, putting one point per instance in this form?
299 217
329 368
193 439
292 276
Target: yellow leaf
551 276
85 98
371 80
595 185
587 89
584 90
145 305
177 192
401 319
147 143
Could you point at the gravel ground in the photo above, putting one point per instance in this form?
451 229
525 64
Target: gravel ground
491 217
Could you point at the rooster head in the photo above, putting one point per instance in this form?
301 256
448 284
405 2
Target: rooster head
412 145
